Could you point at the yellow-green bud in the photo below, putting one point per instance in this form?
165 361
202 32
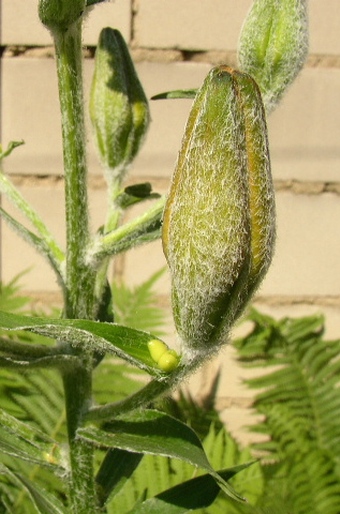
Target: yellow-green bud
167 360
218 226
119 109
59 15
273 45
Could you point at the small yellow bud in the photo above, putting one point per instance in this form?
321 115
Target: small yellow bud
167 360
156 349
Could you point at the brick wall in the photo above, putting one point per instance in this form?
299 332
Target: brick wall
174 44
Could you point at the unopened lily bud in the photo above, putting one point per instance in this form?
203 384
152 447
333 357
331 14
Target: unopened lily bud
59 15
119 109
218 227
273 45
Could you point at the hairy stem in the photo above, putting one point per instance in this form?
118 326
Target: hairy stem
77 386
79 278
144 396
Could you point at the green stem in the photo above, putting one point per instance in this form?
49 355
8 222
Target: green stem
78 389
24 350
79 278
112 221
144 396
139 230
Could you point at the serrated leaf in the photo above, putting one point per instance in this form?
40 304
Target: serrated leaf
156 433
125 342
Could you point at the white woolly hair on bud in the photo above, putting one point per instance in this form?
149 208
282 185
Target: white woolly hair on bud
273 45
219 219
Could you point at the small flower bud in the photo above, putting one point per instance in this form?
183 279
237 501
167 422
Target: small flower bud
218 227
167 360
59 15
273 45
119 109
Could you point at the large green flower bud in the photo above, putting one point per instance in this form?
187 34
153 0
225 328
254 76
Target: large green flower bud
119 109
274 45
59 15
218 227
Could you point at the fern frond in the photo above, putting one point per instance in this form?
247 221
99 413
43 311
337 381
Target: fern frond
300 404
138 307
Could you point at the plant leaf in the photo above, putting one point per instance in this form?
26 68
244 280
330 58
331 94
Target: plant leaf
21 440
39 243
11 146
178 93
124 342
193 494
138 307
116 468
45 502
156 433
299 404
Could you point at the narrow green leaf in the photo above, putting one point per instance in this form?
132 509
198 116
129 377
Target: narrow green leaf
178 93
21 440
39 243
44 501
193 494
93 2
116 468
127 343
156 433
11 146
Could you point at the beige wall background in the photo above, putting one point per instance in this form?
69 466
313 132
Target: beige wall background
174 44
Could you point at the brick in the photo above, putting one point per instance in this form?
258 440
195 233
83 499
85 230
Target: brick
216 24
306 261
304 131
324 27
20 24
190 25
307 256
204 25
31 112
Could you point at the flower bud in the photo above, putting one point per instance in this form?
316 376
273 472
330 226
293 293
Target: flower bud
167 360
119 109
59 15
219 216
273 45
